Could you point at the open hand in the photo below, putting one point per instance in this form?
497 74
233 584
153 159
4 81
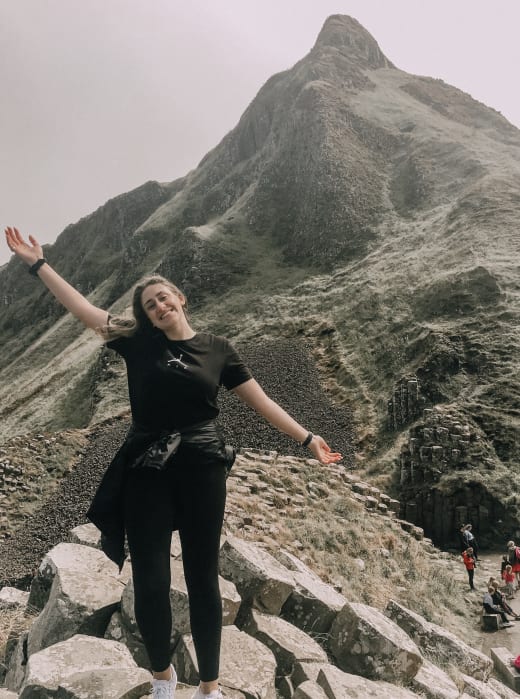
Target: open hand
29 253
322 451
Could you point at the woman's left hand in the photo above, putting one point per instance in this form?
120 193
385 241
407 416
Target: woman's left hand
322 451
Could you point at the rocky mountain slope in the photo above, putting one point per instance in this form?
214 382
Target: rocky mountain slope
373 213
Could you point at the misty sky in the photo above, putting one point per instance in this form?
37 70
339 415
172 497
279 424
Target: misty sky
100 96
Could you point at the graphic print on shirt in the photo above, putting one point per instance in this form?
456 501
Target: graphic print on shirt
176 362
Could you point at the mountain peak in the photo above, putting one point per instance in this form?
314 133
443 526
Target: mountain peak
346 34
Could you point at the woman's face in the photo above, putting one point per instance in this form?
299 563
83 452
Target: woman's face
163 306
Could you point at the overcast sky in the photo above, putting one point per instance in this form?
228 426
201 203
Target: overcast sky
99 96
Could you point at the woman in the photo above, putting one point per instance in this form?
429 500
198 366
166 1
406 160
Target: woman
469 539
170 473
469 561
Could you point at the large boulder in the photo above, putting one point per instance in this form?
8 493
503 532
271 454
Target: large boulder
82 667
433 683
42 582
501 689
478 689
260 579
180 604
341 685
85 592
312 605
364 641
439 645
288 643
246 665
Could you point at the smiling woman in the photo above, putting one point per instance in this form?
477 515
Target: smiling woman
170 473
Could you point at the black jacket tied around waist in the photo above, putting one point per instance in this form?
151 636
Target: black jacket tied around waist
144 449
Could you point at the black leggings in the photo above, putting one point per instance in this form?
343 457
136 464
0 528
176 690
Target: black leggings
191 498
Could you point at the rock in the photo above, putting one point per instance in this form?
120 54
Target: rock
433 683
12 598
117 631
62 555
439 645
303 672
340 685
87 535
312 604
364 641
501 657
246 665
17 664
478 689
502 691
6 694
258 576
288 643
85 592
83 667
309 690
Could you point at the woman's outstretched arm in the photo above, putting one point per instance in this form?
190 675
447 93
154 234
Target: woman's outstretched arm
253 395
67 295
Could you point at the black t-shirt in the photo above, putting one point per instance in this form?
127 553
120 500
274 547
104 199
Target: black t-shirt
174 383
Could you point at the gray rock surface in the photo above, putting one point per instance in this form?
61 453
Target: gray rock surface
312 604
86 534
287 642
363 640
84 667
85 592
433 683
438 645
342 685
258 576
309 690
12 598
246 664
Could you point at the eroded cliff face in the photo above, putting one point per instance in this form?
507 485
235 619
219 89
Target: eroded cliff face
371 211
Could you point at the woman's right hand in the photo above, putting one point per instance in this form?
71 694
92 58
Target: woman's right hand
28 253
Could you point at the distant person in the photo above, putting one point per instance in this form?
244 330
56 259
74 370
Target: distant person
469 562
509 579
513 555
499 599
462 539
470 540
171 469
503 563
491 608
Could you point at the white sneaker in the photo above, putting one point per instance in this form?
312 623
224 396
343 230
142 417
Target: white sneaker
215 694
165 689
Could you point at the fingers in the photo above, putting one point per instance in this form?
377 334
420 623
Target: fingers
9 239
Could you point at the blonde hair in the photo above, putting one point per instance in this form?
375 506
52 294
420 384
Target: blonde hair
123 326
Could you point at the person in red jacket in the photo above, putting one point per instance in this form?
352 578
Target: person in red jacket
469 561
